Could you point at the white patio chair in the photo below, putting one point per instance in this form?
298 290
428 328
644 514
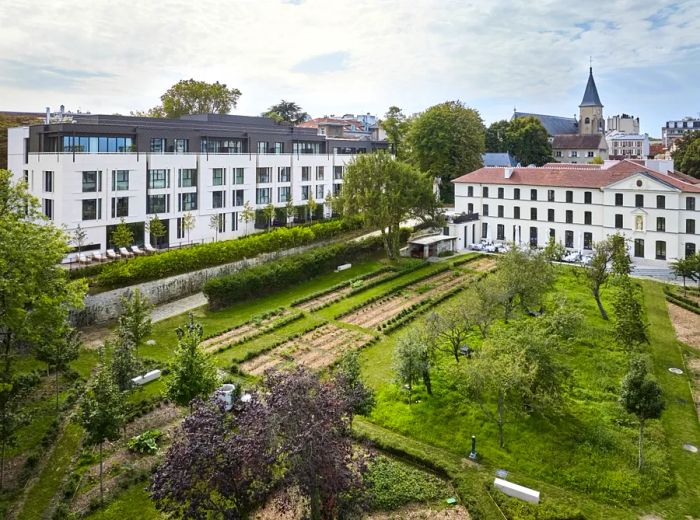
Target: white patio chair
149 248
99 257
111 254
125 252
83 259
137 251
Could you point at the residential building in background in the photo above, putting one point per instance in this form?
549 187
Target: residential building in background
627 146
675 129
623 123
95 170
348 126
577 205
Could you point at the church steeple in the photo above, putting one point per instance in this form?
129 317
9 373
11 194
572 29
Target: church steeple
590 96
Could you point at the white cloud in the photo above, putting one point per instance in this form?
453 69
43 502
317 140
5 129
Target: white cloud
493 55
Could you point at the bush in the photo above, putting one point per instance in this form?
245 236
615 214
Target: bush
145 443
201 256
275 275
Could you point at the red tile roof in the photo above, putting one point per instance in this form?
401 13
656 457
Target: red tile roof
570 177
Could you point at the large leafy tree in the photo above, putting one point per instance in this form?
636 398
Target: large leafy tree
412 362
447 328
495 137
687 148
384 192
611 252
528 141
196 97
642 397
125 364
396 125
447 141
288 112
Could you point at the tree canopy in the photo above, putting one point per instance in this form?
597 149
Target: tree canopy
286 111
524 137
686 155
396 126
189 96
447 141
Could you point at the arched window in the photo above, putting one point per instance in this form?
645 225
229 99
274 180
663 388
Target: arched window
588 120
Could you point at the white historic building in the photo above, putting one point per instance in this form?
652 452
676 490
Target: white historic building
578 205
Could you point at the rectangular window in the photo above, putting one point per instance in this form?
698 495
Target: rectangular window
484 229
181 145
470 191
238 175
618 221
158 179
47 208
516 193
336 189
550 195
262 146
591 154
690 203
238 198
319 173
284 194
639 201
500 232
91 181
689 249
639 247
187 202
660 224
569 216
319 191
263 175
485 192
90 209
485 210
187 178
279 148
338 173
587 197
470 208
550 215
284 174
157 145
306 147
120 180
660 202
263 195
533 213
157 204
569 239
180 228
120 207
690 226
305 173
501 193
557 153
48 182
533 194
552 233
587 218
500 211
569 196
660 250
516 212
234 221
218 176
618 199
574 154
305 192
588 240
218 199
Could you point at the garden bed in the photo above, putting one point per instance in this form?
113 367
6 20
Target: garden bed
686 324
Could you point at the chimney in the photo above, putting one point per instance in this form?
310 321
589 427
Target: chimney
48 115
508 172
62 110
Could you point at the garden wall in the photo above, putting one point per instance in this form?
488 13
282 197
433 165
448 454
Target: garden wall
103 307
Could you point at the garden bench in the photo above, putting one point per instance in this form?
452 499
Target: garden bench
146 378
517 491
342 267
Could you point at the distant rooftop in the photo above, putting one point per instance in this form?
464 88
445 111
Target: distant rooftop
553 124
498 159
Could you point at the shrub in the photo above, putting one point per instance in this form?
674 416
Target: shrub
145 443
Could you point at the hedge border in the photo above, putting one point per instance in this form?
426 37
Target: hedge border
672 299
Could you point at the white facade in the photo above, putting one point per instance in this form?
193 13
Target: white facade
660 219
623 123
120 187
625 145
675 129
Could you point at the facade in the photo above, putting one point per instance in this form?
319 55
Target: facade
675 129
623 123
348 126
578 205
627 146
98 170
574 148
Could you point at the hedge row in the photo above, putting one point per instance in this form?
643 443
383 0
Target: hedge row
255 318
285 320
341 285
177 261
275 275
463 261
676 301
678 296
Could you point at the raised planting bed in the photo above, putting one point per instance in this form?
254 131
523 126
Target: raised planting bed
316 349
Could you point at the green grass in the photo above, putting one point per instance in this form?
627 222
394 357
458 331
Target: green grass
50 480
132 503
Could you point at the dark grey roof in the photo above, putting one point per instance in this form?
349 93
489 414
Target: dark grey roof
590 96
554 125
578 142
492 159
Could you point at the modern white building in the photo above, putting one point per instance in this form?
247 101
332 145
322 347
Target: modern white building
675 129
578 205
98 170
627 146
623 123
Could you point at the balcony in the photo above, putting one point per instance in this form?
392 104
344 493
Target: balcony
465 217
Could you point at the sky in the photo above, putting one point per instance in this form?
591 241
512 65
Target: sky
356 56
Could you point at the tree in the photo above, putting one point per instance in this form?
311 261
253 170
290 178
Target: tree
188 223
134 321
79 237
214 222
481 305
101 412
348 379
125 364
447 141
447 329
269 213
156 229
628 324
311 206
122 236
554 251
396 125
528 141
13 393
384 192
684 268
193 374
596 272
642 397
289 211
411 363
286 111
686 155
59 353
495 137
196 97
247 215
621 263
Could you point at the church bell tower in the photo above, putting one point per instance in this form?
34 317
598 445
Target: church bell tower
591 110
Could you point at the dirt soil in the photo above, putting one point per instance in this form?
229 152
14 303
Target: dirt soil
687 325
339 294
422 513
482 264
244 331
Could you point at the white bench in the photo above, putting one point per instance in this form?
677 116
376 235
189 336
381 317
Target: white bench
342 267
517 491
146 378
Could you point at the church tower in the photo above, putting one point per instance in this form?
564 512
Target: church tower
591 110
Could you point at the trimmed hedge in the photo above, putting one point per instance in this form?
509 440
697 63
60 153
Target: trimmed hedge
685 303
177 261
272 276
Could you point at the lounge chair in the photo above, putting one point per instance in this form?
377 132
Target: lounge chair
99 257
149 248
125 252
84 259
111 254
137 251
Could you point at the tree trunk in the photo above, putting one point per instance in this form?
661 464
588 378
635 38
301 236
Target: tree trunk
596 295
385 241
500 419
427 382
641 444
102 491
455 352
